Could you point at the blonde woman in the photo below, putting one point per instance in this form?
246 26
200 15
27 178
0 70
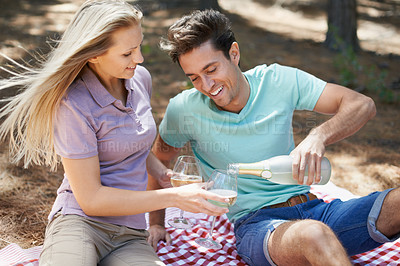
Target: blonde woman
89 103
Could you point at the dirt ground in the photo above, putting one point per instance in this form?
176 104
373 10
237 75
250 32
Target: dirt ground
286 32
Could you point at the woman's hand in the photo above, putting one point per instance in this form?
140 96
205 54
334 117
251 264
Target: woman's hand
194 198
96 199
157 234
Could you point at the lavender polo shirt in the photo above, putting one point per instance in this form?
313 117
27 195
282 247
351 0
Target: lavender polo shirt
90 122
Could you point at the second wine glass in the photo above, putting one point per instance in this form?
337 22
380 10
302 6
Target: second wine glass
225 185
186 171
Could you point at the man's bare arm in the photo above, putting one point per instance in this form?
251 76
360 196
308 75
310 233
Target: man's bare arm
164 152
350 110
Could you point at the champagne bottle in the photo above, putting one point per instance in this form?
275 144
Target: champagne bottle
278 170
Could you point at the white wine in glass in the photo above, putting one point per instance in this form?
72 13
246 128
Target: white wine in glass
186 171
229 194
225 185
178 180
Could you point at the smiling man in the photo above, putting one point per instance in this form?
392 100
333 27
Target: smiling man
216 77
233 116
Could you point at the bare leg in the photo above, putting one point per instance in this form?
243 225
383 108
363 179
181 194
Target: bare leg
306 242
388 222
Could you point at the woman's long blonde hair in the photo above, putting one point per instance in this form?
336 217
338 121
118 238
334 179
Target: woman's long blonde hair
29 115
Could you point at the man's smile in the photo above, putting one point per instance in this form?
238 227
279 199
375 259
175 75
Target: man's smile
216 92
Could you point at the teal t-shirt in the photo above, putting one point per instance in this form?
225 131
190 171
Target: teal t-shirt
261 130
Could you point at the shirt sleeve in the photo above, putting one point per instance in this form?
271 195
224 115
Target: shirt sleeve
74 137
309 89
172 127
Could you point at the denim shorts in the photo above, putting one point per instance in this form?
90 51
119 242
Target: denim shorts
353 221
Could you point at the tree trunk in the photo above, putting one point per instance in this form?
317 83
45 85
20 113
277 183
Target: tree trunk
209 4
342 25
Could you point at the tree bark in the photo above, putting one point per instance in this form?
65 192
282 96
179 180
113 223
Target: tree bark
342 25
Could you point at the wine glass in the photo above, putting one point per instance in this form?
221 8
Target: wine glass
225 185
186 171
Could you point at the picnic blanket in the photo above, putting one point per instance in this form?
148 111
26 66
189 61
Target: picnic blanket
184 250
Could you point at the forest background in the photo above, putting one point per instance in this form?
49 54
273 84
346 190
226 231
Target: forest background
287 32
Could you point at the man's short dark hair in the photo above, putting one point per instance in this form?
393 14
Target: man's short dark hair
194 29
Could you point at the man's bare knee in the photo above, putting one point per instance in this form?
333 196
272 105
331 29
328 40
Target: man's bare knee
306 242
313 232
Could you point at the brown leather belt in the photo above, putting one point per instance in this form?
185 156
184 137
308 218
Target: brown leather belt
294 201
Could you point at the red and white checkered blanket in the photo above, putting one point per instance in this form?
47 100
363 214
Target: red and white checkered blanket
184 250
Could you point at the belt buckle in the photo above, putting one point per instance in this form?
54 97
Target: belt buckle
301 199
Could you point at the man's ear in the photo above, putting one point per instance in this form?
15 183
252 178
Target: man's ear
234 52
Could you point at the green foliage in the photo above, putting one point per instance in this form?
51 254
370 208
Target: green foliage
357 76
146 49
347 64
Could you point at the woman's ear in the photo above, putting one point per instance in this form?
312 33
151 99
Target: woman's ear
93 60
